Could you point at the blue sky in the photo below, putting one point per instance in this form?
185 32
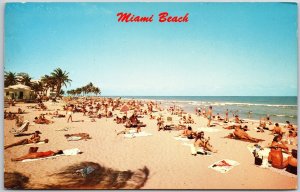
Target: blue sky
224 49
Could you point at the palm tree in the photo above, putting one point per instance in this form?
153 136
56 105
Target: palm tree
97 91
84 90
37 87
25 79
61 78
10 78
48 82
62 92
78 91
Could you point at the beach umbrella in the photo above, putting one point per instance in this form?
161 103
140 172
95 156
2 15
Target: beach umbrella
124 108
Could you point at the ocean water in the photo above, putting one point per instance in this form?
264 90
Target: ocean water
280 109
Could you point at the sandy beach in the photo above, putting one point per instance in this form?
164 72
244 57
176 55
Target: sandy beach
169 161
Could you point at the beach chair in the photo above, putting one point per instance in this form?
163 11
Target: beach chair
21 129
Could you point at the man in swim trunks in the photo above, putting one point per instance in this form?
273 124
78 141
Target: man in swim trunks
241 134
226 116
69 113
209 115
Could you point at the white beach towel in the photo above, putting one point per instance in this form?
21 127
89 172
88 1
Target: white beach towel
182 139
208 129
39 143
134 134
200 149
232 123
74 138
66 152
218 166
63 129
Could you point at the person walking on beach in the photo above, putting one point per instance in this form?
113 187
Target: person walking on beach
209 115
69 113
226 116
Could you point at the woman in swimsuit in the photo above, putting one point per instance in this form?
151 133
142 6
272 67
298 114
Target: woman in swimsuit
200 141
275 156
36 155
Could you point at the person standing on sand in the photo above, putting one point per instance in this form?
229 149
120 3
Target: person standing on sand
226 116
69 113
209 115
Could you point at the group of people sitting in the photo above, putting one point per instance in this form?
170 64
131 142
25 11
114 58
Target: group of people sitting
276 159
200 140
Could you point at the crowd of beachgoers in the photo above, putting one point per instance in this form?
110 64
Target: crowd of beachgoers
130 113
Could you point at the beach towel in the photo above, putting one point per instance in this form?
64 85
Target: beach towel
199 151
182 139
67 152
208 129
39 143
223 166
74 138
63 129
139 134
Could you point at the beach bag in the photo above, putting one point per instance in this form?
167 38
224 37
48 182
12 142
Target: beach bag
258 161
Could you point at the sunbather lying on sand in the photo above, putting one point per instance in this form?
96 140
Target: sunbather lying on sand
33 154
84 136
34 139
200 141
9 115
57 115
242 135
42 120
245 127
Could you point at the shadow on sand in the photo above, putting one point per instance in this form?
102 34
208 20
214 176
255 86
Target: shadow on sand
15 180
100 178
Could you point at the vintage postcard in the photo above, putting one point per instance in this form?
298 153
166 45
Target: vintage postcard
156 95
